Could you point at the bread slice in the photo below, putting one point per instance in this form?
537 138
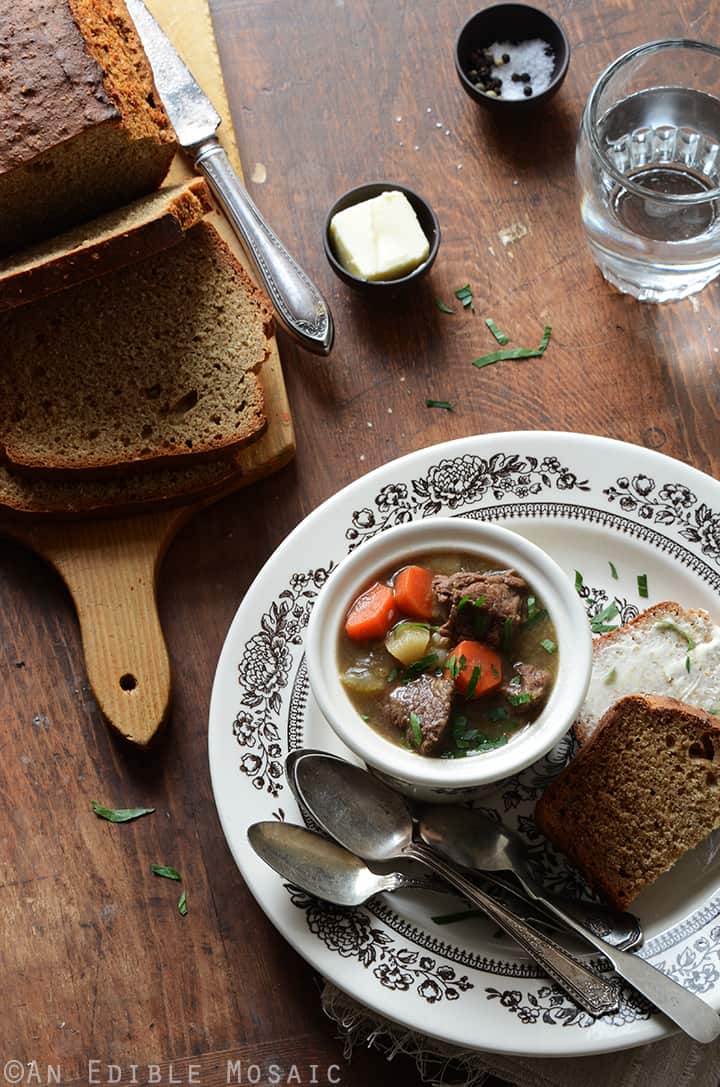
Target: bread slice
643 791
666 650
150 365
82 128
114 240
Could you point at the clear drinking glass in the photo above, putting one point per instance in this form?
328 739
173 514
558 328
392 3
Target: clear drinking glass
648 167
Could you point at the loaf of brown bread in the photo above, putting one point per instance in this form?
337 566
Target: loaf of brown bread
113 240
151 365
82 128
642 791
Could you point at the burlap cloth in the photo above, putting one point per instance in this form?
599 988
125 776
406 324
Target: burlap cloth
673 1062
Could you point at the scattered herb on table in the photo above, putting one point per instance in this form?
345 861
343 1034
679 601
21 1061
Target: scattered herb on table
600 623
165 871
579 584
613 570
548 645
416 735
501 337
439 404
507 353
182 904
687 663
642 586
442 307
119 815
465 295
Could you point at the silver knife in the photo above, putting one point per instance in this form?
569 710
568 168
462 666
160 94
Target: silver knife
301 309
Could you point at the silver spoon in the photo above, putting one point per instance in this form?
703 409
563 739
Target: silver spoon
470 839
371 820
620 929
320 867
473 841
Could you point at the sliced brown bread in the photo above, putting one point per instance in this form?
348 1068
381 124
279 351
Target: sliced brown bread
642 792
150 365
82 128
135 492
666 650
118 238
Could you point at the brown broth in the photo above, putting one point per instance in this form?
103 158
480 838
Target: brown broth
371 664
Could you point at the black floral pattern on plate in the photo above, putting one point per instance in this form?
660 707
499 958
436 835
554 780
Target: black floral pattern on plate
670 504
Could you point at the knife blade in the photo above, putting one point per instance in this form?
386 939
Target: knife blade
300 307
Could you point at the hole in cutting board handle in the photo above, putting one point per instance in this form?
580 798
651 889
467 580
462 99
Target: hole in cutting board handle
128 682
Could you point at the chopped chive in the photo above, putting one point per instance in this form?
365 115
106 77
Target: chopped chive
613 570
541 613
494 670
442 307
392 675
462 663
611 676
515 352
531 608
519 699
465 295
417 667
452 667
439 404
166 871
119 815
548 645
578 581
515 681
687 663
182 904
364 716
642 586
474 678
668 624
501 338
416 736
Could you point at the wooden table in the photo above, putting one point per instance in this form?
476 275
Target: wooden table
96 962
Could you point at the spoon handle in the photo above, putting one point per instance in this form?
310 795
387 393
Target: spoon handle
588 989
686 1010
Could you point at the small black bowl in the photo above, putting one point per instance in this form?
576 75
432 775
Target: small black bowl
515 23
426 218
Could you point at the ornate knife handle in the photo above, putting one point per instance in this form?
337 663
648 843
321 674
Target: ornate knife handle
301 309
588 989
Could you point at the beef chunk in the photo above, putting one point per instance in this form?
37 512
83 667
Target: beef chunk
502 595
430 698
533 681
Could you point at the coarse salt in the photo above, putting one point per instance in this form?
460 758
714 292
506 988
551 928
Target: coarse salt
533 56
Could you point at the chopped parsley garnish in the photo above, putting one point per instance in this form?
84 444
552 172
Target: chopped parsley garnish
600 623
416 736
519 699
578 581
119 815
419 666
182 904
165 871
465 295
452 667
515 352
501 338
473 682
365 716
548 645
611 676
462 663
507 634
439 404
613 570
531 608
642 586
442 307
538 615
668 624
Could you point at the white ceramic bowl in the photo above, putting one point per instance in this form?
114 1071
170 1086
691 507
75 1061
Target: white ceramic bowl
420 776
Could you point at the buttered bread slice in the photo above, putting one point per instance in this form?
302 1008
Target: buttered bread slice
666 650
152 365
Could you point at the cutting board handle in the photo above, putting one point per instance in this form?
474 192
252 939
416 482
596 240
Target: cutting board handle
112 578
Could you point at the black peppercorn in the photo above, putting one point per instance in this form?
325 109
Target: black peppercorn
516 78
527 91
506 58
525 77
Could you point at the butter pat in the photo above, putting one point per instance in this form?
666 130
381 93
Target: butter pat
379 238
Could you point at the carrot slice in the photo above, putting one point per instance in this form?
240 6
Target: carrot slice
413 592
372 614
476 669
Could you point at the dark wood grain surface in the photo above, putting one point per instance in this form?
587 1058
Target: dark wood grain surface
96 962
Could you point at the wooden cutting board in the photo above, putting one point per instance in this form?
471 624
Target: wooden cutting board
111 566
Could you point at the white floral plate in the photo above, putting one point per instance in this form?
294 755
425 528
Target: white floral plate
589 502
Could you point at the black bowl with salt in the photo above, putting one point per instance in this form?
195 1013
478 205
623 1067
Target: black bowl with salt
511 57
